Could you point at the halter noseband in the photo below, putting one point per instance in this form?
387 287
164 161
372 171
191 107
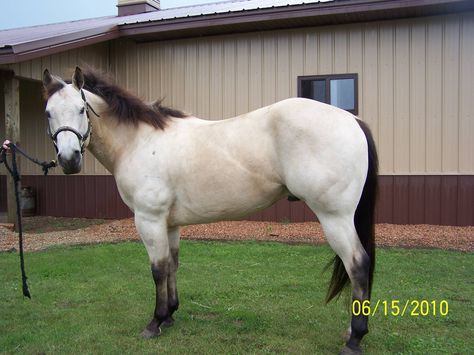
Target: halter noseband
82 137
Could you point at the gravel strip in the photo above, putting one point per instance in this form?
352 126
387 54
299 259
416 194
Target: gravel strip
387 235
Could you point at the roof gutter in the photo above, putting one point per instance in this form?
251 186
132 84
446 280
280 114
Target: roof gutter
242 21
6 55
56 44
373 9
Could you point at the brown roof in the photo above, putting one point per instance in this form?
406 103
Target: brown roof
21 44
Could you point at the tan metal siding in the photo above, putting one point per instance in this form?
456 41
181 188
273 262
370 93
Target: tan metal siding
369 76
417 98
268 69
33 126
415 86
466 97
203 75
434 95
215 81
242 78
283 60
386 102
402 100
229 82
414 81
450 103
255 58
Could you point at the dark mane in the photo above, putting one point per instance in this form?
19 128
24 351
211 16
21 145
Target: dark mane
125 106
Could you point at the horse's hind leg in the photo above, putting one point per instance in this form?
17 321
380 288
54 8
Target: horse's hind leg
173 301
341 235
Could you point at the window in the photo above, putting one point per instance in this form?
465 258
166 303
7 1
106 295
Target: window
336 90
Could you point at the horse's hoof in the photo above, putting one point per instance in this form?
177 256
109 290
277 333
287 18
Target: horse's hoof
168 322
347 335
350 351
152 330
148 334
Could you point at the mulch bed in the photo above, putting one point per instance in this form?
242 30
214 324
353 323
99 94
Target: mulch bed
44 232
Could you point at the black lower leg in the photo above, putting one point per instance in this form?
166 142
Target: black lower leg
358 330
169 321
173 304
160 276
173 301
360 286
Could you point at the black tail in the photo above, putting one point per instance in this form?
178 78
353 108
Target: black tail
364 221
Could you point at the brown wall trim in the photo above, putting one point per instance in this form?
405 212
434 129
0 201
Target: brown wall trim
406 199
436 199
83 196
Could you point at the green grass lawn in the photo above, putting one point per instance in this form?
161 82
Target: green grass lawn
236 297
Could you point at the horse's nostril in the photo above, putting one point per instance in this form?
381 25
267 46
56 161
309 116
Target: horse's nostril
77 152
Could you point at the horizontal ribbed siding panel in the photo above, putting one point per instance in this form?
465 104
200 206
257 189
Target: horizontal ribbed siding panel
444 200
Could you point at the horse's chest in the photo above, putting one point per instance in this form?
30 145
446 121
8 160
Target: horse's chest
144 191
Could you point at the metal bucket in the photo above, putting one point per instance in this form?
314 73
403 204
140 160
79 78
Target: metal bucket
27 201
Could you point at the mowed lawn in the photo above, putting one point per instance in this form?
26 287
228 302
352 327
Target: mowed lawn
236 297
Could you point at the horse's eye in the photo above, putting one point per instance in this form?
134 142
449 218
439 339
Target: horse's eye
82 111
48 115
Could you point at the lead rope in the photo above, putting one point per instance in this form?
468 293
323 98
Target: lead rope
13 170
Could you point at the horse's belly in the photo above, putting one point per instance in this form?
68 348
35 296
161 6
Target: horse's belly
218 206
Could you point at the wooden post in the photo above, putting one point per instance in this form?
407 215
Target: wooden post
12 132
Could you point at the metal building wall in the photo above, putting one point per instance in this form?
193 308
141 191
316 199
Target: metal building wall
415 87
415 90
415 81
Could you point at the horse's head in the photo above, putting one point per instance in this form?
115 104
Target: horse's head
68 121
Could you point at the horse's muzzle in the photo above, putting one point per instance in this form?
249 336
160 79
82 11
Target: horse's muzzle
72 165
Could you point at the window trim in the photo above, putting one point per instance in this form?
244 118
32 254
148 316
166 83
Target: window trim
328 79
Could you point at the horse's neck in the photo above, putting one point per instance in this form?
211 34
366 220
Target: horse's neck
108 139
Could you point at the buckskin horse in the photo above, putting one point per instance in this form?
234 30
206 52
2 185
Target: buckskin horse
174 169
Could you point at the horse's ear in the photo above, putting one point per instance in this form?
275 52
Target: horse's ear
47 78
78 78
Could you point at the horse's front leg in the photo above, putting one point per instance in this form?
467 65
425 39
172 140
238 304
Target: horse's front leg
173 301
154 234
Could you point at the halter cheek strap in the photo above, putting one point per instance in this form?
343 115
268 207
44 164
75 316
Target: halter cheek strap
88 107
82 137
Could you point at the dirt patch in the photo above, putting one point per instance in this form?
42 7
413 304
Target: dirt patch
43 232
